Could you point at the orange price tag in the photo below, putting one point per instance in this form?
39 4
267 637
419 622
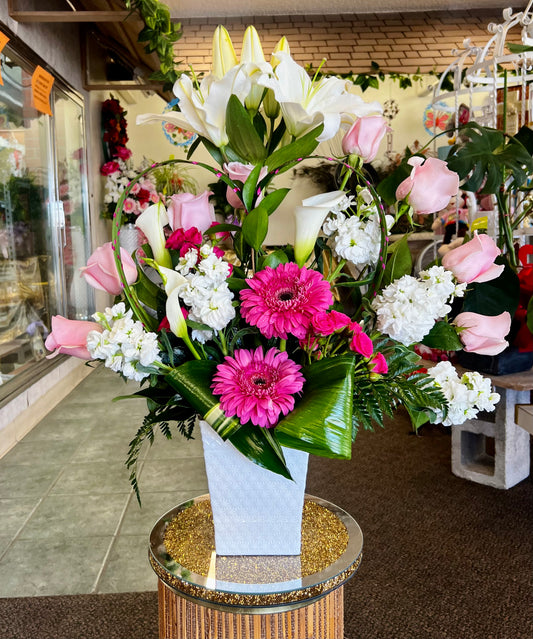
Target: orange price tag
41 87
3 41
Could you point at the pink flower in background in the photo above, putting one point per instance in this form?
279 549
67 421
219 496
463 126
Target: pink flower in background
361 343
70 337
129 205
364 137
282 301
483 334
186 210
324 323
239 171
378 364
257 387
474 260
123 153
101 271
110 167
429 187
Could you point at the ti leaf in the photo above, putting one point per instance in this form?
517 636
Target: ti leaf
255 227
399 261
300 148
321 422
250 187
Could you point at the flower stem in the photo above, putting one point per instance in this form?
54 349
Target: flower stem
282 344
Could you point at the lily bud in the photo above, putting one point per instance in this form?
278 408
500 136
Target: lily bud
151 222
252 56
224 57
281 46
271 105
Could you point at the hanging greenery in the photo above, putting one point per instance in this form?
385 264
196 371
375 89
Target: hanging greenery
160 35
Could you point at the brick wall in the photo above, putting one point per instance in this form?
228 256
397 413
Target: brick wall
397 42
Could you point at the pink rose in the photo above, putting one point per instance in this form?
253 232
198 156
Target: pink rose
474 260
364 137
70 337
101 271
378 364
361 343
429 187
187 210
179 237
239 171
483 334
123 153
110 167
325 323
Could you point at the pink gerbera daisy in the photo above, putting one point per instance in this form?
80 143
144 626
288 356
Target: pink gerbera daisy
257 387
283 300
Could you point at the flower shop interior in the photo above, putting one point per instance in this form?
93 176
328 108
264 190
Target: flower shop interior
108 113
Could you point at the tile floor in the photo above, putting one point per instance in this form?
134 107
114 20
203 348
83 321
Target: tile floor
69 521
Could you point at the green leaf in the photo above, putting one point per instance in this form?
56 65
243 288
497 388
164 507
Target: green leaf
271 201
243 137
300 148
443 336
255 227
399 261
486 157
221 228
518 48
274 259
260 446
387 188
525 137
494 297
321 422
250 187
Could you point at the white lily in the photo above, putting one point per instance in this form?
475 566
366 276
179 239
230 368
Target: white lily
224 57
306 103
309 219
151 222
203 109
175 316
255 66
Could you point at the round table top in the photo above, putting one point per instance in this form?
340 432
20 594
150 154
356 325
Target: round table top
254 584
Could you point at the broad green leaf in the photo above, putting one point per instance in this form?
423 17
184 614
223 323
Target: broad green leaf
486 156
443 336
525 137
260 446
387 188
300 148
250 187
419 417
518 48
236 283
242 135
495 296
271 201
255 227
274 259
222 228
321 422
399 261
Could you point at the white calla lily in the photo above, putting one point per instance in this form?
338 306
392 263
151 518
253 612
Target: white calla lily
171 279
224 57
175 317
306 103
309 219
151 222
203 109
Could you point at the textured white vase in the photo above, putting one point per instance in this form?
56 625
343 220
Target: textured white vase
129 238
255 511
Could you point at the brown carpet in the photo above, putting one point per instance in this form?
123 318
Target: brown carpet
444 558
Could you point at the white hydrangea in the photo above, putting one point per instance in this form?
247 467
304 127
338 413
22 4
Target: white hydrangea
408 308
465 395
124 345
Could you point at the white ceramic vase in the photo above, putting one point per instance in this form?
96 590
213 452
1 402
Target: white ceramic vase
255 511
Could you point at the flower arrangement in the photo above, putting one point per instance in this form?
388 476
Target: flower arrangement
297 347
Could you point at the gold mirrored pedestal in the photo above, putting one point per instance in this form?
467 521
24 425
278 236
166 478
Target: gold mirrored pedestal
203 595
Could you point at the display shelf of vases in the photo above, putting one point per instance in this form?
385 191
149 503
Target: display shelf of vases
205 595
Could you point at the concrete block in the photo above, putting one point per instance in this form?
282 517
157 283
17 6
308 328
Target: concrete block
494 453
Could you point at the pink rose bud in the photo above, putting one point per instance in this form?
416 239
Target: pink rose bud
474 260
364 137
239 171
483 334
362 344
101 270
70 337
187 210
429 187
378 364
